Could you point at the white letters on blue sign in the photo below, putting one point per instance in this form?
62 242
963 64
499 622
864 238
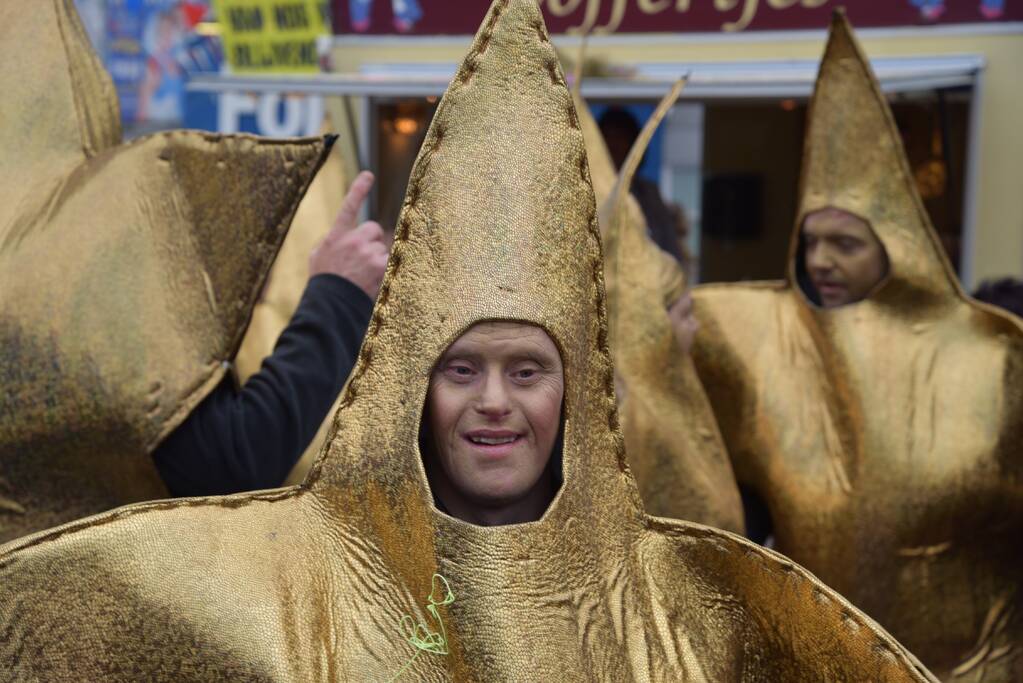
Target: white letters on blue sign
278 116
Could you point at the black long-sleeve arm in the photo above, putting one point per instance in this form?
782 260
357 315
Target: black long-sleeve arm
242 440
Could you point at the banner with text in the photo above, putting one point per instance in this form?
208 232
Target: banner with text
272 36
450 17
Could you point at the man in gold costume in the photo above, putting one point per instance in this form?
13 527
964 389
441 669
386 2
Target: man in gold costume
356 574
874 408
128 272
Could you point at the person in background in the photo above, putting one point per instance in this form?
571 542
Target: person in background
1005 293
664 221
878 425
249 438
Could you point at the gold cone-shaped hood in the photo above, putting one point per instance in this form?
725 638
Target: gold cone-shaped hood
127 272
853 160
671 437
340 578
884 436
496 226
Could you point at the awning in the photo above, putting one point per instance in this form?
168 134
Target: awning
707 80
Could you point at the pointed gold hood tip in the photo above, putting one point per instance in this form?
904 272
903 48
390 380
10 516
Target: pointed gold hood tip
620 213
853 159
604 177
639 147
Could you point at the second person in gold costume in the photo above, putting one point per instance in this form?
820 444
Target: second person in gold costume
872 406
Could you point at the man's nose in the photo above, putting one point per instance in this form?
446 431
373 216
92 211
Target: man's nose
493 400
818 258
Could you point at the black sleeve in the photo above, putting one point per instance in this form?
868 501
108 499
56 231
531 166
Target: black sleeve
248 439
758 518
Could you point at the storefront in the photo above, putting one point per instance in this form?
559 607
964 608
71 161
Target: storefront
730 152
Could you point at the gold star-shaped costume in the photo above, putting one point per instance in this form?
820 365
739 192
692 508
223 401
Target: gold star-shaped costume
672 439
127 272
312 582
885 437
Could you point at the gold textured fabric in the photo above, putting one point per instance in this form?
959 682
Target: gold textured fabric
287 281
886 437
673 443
290 272
311 582
127 272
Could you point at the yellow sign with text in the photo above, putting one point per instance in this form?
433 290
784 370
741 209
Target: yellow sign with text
272 36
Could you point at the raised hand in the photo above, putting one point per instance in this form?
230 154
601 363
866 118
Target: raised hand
355 252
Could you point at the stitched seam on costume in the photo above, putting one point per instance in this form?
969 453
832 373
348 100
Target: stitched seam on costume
404 223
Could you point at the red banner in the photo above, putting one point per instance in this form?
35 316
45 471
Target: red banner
460 17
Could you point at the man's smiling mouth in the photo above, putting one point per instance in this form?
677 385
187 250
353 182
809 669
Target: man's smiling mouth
492 437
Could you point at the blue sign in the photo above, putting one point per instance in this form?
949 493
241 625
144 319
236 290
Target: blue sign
270 114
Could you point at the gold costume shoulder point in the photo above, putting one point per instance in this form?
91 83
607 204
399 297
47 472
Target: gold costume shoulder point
672 439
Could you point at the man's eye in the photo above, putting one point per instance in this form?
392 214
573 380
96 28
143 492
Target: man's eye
525 374
848 245
459 371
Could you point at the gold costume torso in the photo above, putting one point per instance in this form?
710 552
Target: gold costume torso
886 436
890 460
310 583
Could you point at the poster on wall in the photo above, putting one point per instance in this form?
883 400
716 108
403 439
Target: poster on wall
150 48
445 17
272 36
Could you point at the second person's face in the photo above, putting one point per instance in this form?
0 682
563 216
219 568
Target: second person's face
844 259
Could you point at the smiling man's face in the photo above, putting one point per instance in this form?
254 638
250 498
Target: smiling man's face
844 259
493 411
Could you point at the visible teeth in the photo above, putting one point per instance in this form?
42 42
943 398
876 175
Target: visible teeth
491 441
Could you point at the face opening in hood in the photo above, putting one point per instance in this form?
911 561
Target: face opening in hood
492 424
839 259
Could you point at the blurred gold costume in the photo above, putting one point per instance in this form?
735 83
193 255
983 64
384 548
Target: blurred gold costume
127 272
673 443
886 437
311 582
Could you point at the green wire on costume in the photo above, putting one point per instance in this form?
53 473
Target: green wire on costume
419 634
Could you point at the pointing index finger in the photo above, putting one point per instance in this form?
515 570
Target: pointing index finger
347 217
